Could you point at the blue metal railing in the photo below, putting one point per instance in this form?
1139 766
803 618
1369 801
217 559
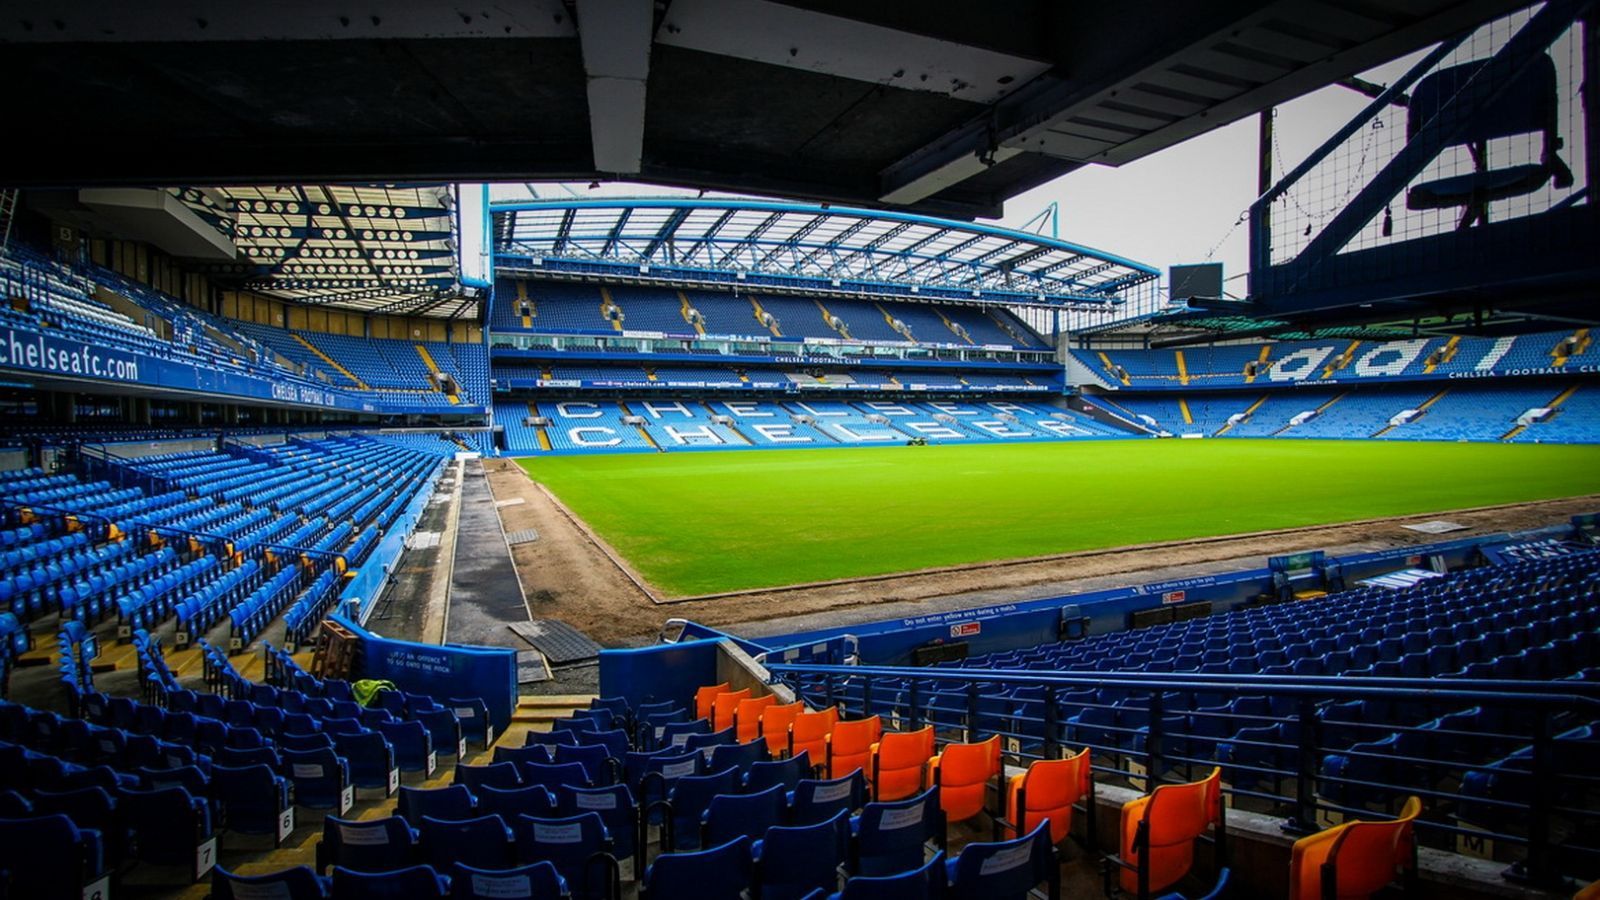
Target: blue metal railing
1498 763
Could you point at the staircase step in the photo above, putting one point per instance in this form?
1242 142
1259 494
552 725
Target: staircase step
555 701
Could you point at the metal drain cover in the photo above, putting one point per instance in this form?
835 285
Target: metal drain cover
525 536
559 642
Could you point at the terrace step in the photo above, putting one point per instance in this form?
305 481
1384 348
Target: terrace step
544 709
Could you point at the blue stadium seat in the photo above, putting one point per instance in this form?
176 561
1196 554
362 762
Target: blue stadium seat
450 803
529 752
783 772
414 883
445 729
925 883
170 828
412 746
687 802
296 883
372 845
816 801
732 815
508 803
793 861
578 846
555 775
1006 870
500 775
321 779
537 881
371 760
716 873
75 857
90 808
484 841
889 837
613 804
254 800
473 715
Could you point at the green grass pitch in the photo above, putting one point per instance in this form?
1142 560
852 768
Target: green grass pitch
696 523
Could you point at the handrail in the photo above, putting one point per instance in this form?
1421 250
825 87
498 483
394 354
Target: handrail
1330 686
1290 745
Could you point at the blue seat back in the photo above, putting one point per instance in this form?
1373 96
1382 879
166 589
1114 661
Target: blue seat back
539 881
731 815
414 883
453 802
484 841
717 873
1005 870
373 845
796 860
615 807
295 883
817 800
890 836
578 846
928 882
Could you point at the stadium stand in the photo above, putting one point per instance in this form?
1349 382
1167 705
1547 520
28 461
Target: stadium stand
666 424
576 309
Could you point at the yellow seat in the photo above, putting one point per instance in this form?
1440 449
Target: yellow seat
899 759
962 772
849 747
1159 830
1354 860
1048 791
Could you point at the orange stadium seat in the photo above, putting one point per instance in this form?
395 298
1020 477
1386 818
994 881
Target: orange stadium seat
723 705
704 697
1355 860
810 731
850 745
1159 831
1049 790
774 724
962 773
899 759
747 717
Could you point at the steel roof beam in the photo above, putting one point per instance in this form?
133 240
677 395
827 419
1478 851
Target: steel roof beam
793 243
665 232
616 230
751 239
710 234
849 232
871 247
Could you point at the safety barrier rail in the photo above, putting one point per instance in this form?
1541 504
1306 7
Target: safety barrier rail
1501 765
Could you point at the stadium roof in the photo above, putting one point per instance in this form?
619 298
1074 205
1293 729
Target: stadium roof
661 238
377 249
942 106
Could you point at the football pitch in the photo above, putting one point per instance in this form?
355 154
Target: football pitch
695 523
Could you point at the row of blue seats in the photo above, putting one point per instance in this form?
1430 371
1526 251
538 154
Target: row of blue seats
838 857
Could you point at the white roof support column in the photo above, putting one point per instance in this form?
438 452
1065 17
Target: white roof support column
615 36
